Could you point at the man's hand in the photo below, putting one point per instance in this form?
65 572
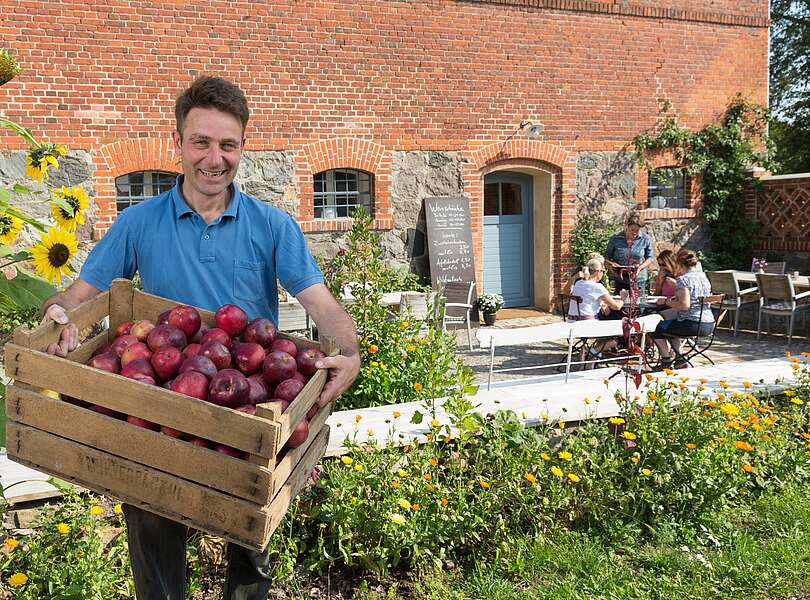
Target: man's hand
342 372
69 338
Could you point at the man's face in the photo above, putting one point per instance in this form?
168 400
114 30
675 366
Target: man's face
210 148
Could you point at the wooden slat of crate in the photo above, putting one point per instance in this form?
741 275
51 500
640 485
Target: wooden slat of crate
150 448
85 315
197 417
236 520
83 353
292 457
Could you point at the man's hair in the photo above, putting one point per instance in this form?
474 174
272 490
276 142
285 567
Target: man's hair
212 92
633 218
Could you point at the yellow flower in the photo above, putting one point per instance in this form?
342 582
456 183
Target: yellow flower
684 379
415 507
394 484
346 460
652 396
795 367
51 257
646 472
722 384
484 484
10 228
573 478
373 349
729 409
711 403
63 528
634 459
117 509
797 401
428 477
359 468
805 435
370 432
556 471
529 477
669 371
433 462
429 487
691 446
747 468
444 501
649 377
410 348
561 424
747 384
10 543
402 473
404 325
358 418
564 455
96 511
18 580
628 435
545 456
398 519
404 504
744 446
646 410
41 158
397 414
434 423
417 386
374 363
616 420
77 199
703 380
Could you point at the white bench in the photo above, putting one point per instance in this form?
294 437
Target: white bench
578 330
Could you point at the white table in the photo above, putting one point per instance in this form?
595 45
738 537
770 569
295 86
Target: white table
802 281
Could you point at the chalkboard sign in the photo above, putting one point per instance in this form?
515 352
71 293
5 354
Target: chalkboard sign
449 235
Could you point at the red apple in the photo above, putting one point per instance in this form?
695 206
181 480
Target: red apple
123 329
163 318
186 318
216 334
247 408
141 329
200 442
141 422
231 319
218 353
229 451
201 364
166 335
139 366
313 410
171 432
120 344
300 377
136 350
229 388
289 389
249 357
143 378
278 366
260 331
166 361
307 359
108 361
285 345
191 350
299 435
258 389
191 383
197 339
101 350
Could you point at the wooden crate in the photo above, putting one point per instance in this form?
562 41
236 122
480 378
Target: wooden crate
240 500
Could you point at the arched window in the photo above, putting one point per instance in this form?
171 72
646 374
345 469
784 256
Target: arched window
136 187
338 192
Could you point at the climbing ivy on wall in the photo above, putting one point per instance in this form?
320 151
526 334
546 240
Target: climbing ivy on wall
723 154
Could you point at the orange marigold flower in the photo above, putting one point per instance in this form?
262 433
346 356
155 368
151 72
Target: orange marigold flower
747 468
429 487
744 446
647 410
373 349
444 501
691 446
417 386
358 418
747 384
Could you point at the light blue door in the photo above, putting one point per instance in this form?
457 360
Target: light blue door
508 237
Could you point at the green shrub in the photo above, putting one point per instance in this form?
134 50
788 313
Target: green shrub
591 235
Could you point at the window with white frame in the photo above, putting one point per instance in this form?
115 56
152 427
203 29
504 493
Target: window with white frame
338 192
666 188
136 187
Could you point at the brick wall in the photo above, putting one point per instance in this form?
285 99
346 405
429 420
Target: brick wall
344 83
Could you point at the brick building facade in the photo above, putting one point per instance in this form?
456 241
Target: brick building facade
425 97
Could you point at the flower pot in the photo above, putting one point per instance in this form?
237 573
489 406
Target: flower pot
489 318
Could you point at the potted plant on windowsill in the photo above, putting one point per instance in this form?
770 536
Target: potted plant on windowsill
489 305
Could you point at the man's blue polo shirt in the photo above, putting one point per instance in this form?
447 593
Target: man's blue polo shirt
236 259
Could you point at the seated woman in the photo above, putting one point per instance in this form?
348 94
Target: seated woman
690 320
595 296
665 283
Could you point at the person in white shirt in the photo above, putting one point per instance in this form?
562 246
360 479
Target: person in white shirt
595 296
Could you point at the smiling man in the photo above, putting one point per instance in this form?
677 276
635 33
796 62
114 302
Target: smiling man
205 243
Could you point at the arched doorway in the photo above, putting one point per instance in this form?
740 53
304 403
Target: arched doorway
508 237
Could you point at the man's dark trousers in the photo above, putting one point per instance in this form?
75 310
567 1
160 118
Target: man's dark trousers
157 549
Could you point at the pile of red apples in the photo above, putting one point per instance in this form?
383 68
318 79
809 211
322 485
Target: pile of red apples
237 364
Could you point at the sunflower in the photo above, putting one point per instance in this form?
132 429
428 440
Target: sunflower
10 227
51 257
76 197
42 157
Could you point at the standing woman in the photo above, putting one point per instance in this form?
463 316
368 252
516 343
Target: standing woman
626 247
692 318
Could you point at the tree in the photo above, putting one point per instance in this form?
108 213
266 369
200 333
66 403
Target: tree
790 83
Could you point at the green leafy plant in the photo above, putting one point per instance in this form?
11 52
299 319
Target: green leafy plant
722 154
590 236
490 303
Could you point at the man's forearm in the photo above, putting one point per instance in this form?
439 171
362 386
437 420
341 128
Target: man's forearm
339 325
79 291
